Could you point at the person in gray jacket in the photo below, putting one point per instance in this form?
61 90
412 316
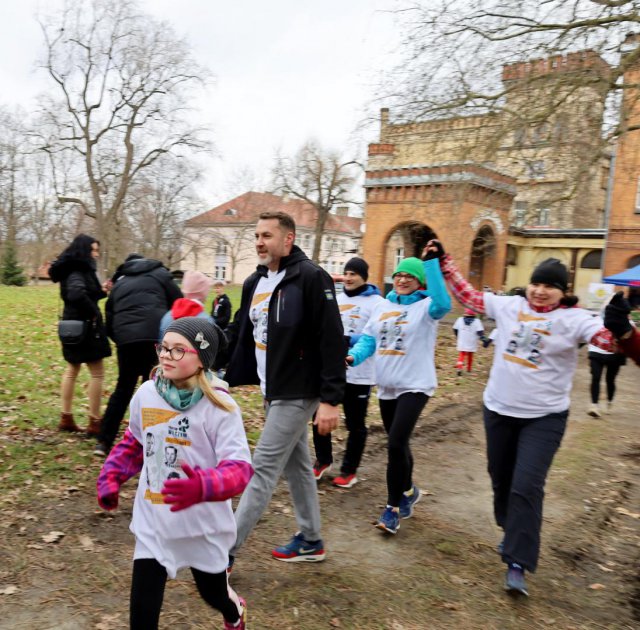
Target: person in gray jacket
143 291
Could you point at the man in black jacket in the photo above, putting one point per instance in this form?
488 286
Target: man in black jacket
290 341
143 291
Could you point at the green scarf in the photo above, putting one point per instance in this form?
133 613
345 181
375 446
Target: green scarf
179 399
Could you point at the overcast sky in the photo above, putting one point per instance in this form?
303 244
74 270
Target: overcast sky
286 71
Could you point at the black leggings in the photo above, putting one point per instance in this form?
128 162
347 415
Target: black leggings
600 362
147 592
399 417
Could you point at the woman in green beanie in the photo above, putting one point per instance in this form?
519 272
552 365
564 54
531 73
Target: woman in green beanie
401 334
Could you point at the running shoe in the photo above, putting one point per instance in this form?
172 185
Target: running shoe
514 582
319 469
300 550
345 481
594 411
389 521
407 502
242 623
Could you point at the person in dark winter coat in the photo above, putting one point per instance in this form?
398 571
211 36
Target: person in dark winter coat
143 291
80 290
221 307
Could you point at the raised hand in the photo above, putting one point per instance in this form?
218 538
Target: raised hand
616 315
433 249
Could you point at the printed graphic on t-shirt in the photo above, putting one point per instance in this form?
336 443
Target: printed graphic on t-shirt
527 341
392 333
259 315
350 314
167 432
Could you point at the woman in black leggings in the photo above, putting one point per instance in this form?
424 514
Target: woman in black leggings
401 334
610 363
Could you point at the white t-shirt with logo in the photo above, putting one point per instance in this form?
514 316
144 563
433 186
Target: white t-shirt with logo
355 313
405 343
535 356
259 316
467 340
203 435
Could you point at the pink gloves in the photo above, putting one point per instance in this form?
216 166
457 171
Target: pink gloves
184 493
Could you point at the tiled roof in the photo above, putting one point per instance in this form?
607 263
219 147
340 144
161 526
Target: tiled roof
246 208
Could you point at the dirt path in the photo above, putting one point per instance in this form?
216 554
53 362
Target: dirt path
440 571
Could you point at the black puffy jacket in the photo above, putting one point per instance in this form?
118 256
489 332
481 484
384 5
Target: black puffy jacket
80 291
140 296
305 348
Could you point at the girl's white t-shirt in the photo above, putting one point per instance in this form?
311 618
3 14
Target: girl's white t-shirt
405 343
535 356
203 435
355 313
467 340
259 316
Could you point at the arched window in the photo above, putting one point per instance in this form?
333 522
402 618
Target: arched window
593 260
633 261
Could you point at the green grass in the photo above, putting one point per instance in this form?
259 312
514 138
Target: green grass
32 452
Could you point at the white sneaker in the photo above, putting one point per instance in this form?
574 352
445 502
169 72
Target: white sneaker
594 411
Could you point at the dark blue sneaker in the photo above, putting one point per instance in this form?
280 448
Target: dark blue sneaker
514 582
299 550
407 503
389 521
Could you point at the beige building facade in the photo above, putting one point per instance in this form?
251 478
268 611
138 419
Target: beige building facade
471 179
220 242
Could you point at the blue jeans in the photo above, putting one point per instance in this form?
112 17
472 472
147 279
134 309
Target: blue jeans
519 454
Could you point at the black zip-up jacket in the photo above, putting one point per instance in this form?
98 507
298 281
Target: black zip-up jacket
305 343
143 292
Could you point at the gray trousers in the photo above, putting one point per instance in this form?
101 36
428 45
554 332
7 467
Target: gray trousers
283 448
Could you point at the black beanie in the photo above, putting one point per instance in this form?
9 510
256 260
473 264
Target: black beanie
202 335
552 272
359 266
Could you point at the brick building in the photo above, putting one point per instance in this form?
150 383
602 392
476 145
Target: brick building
469 179
623 241
220 242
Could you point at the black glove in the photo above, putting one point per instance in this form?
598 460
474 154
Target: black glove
486 342
616 315
437 253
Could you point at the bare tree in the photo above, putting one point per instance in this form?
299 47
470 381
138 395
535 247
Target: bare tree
123 83
321 178
159 202
533 72
13 154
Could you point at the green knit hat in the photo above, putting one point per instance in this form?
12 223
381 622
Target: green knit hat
413 266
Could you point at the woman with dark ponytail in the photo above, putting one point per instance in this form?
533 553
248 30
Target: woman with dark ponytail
526 400
80 290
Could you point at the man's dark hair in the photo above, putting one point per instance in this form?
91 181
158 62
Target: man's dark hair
285 220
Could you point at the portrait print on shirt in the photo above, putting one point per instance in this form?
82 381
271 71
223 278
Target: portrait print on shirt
392 332
166 434
526 344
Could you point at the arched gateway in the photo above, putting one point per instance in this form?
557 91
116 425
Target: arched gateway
466 205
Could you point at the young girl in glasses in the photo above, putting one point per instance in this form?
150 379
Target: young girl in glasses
187 440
